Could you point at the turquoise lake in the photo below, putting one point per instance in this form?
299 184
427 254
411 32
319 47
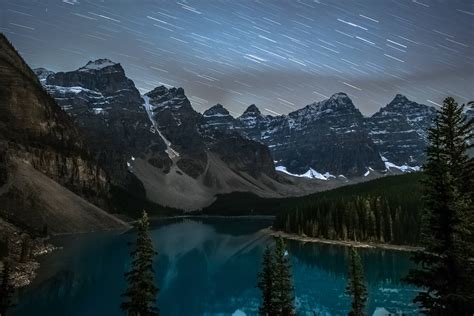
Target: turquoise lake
208 266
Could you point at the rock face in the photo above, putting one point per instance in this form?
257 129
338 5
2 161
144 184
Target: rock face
328 136
217 117
252 123
332 137
37 136
177 122
400 131
192 136
158 140
108 109
204 157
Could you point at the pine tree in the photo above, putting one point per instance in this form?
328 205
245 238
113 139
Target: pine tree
283 283
141 292
445 267
266 284
356 287
6 289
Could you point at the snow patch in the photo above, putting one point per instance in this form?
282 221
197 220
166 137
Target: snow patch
97 65
98 111
216 115
327 175
310 174
75 90
403 168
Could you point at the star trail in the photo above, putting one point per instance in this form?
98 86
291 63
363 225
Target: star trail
279 55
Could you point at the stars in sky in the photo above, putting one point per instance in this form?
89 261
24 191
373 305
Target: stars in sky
280 55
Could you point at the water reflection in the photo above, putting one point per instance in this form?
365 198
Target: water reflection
205 267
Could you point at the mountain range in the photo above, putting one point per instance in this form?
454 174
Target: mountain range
91 133
184 158
334 138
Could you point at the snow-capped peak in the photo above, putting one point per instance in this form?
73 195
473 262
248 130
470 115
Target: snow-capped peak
97 64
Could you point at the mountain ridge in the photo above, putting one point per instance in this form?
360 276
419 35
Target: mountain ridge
329 140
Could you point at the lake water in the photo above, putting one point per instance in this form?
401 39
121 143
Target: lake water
207 267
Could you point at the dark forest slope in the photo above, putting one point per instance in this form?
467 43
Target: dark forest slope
383 210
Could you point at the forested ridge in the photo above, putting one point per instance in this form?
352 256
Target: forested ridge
385 210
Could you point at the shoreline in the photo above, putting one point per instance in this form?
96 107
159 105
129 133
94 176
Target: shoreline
217 216
346 243
24 272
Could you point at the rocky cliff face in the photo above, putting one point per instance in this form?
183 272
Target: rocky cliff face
36 135
192 136
332 137
177 123
400 131
109 111
217 117
252 123
35 129
327 136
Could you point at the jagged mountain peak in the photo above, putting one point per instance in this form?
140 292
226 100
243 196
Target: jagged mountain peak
160 90
216 110
340 97
337 100
401 104
399 100
172 98
164 91
98 64
252 110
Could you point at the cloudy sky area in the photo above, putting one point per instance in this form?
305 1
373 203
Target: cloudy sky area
280 55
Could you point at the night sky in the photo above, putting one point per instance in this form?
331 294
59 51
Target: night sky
280 55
